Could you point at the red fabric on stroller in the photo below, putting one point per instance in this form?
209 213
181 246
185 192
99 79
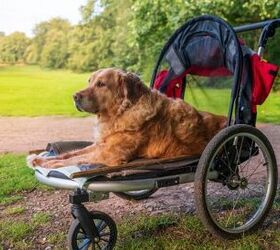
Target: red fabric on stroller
175 87
263 76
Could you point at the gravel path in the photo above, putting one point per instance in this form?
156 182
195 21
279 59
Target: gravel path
22 134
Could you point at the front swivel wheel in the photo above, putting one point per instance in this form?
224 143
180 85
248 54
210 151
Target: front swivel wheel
107 230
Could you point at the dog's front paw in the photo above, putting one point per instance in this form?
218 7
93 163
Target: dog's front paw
35 161
52 164
31 160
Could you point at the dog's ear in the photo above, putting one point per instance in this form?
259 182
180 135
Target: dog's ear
131 89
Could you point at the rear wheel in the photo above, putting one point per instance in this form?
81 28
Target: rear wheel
235 181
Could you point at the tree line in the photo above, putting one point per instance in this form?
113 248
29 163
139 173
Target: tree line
125 33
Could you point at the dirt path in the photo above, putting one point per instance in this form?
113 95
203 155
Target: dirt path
22 134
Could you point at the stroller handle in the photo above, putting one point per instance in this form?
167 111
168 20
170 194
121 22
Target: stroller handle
268 30
255 26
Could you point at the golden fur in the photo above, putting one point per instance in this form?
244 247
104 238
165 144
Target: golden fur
136 122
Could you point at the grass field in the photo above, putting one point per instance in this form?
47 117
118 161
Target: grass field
20 225
32 91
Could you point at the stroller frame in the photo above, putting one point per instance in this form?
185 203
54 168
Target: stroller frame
147 183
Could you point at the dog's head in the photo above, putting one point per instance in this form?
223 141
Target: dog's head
111 91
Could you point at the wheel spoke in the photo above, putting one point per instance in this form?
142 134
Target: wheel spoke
248 176
105 234
250 155
102 226
233 208
239 153
82 238
228 165
99 247
86 244
103 239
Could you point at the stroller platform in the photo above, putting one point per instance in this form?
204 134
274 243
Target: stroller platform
135 175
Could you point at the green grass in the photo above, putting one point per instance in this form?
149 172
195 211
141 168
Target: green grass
40 218
32 91
14 210
15 177
14 230
57 238
210 100
7 200
184 232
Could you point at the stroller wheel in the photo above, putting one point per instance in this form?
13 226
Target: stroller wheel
136 195
235 182
77 238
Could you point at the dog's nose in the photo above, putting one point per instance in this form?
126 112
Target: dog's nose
77 97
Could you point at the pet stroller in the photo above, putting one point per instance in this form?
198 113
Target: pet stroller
235 178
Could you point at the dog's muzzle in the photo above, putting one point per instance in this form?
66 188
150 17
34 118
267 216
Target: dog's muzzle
78 107
77 100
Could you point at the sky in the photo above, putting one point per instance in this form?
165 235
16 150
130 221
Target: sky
22 15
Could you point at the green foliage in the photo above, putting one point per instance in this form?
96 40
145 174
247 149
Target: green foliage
50 44
12 48
55 54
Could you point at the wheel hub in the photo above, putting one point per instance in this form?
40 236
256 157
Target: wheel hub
233 182
243 183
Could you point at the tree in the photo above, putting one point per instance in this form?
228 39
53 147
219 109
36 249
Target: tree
12 47
49 45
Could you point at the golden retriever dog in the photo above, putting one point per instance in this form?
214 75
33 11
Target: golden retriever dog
135 121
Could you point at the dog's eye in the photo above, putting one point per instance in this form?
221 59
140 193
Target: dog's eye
100 84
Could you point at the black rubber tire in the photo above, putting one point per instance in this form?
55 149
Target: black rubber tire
76 226
201 172
136 197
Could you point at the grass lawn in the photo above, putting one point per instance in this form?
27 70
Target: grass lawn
15 177
32 91
19 227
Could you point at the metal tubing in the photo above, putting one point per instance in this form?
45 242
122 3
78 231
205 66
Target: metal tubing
253 26
117 186
135 185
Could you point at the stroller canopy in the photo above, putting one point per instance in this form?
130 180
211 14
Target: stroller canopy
205 46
